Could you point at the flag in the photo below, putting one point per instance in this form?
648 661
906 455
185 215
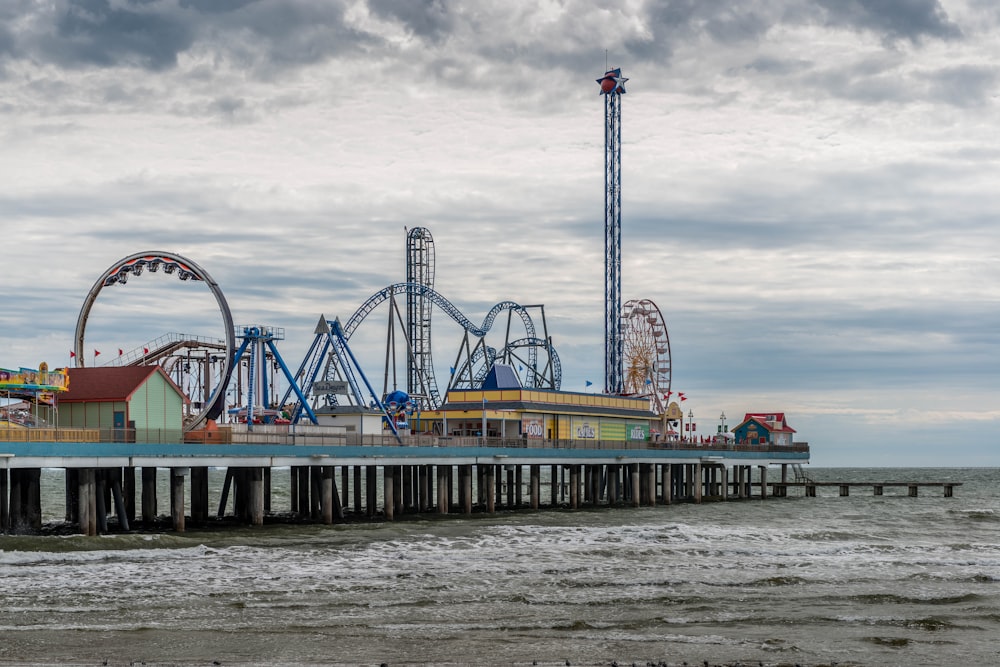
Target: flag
72 354
96 353
648 381
589 383
683 398
120 352
145 350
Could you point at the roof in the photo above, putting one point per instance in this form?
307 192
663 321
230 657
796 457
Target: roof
501 376
774 422
110 383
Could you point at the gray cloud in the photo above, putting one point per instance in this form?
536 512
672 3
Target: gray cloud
911 20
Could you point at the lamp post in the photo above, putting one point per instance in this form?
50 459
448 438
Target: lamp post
691 425
484 421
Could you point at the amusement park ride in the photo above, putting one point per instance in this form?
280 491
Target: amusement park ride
226 381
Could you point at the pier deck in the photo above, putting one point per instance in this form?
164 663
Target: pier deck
372 477
780 489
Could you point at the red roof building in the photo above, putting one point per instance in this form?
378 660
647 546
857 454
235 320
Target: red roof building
140 400
763 428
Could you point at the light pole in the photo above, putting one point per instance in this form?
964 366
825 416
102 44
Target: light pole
691 425
484 421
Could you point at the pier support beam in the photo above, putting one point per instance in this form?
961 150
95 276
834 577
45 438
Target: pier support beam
327 494
358 506
128 489
199 494
255 501
388 487
554 484
87 499
116 494
536 482
177 497
5 501
699 483
466 477
442 489
148 496
574 487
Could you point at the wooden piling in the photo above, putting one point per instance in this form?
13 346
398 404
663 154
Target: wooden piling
116 494
388 486
535 475
489 486
101 488
574 487
199 494
4 501
327 494
227 485
86 496
148 496
177 497
554 485
371 496
467 488
442 489
72 484
128 489
358 505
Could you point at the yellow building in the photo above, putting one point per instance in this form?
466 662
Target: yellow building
538 414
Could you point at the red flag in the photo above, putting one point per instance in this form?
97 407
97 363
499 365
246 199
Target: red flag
96 353
145 350
120 352
72 354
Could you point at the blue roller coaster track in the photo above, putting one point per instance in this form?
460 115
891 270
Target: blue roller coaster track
530 341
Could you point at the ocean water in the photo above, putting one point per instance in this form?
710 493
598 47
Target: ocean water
861 580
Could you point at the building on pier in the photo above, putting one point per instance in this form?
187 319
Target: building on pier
131 400
763 428
539 414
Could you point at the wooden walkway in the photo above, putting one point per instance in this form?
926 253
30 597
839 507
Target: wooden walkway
780 489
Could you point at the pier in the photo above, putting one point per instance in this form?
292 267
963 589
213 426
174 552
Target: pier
780 489
369 479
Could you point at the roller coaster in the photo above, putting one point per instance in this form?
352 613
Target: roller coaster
534 357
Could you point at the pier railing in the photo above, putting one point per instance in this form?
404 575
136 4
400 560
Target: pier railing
327 436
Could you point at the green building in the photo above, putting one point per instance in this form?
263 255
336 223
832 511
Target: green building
129 403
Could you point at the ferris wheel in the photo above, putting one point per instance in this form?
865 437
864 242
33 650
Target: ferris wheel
646 352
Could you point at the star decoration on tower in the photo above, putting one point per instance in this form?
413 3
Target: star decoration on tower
612 82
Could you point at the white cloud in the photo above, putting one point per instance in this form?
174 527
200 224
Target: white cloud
807 188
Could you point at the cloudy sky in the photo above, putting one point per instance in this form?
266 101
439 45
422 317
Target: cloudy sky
809 187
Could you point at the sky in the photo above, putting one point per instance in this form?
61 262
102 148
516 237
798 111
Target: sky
808 188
